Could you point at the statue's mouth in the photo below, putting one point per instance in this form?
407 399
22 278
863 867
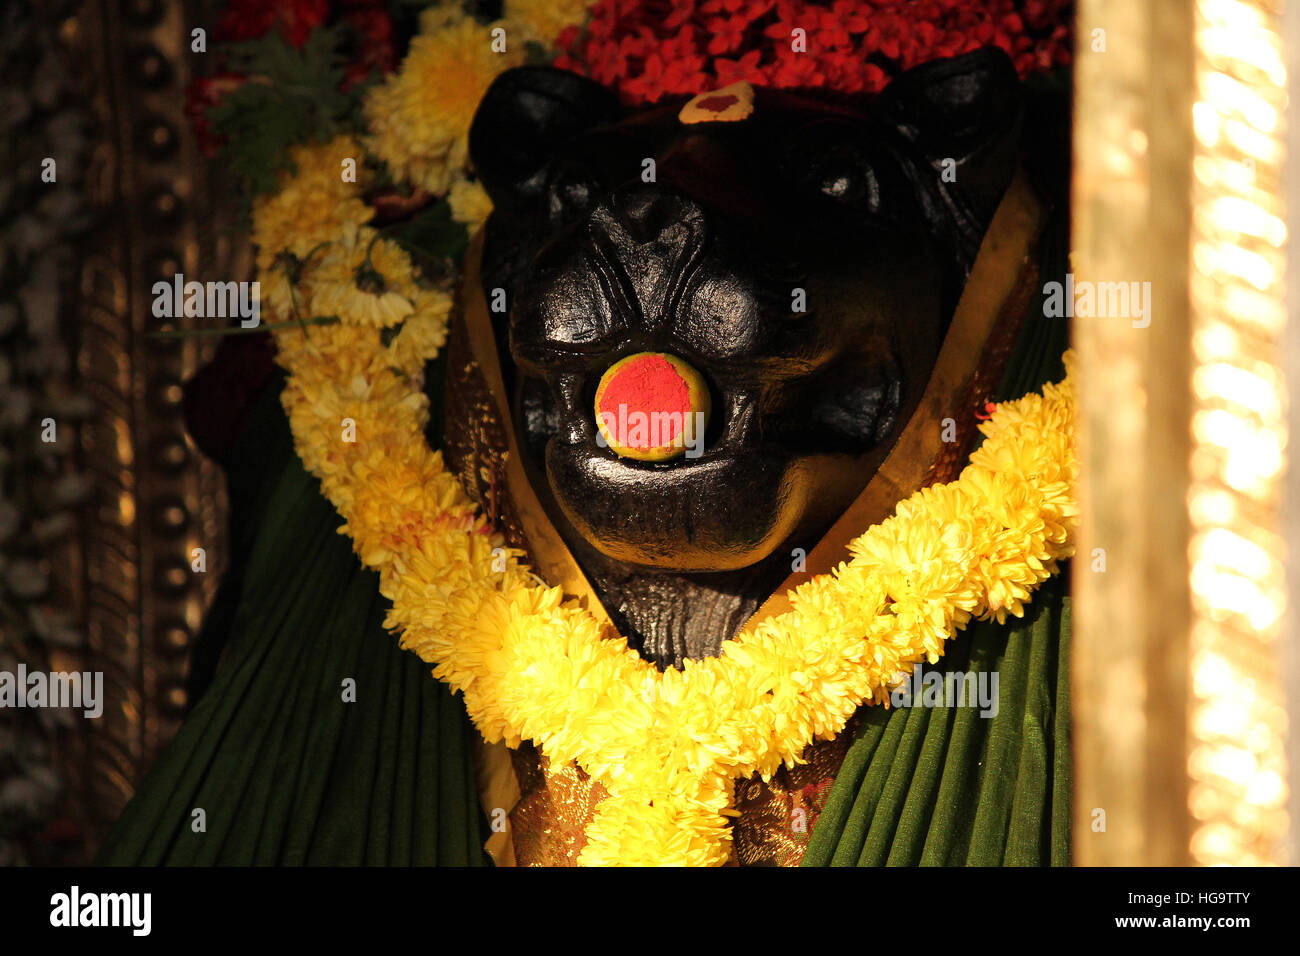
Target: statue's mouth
722 511
723 502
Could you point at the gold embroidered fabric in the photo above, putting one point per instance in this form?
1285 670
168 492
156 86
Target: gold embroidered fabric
776 818
550 821
475 442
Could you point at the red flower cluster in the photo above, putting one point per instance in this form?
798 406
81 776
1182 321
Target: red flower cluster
203 93
250 19
651 48
369 26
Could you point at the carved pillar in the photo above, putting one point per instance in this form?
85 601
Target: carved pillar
1178 590
157 498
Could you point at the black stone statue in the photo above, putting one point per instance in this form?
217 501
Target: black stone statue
804 259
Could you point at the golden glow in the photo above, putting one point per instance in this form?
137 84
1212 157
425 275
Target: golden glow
1237 720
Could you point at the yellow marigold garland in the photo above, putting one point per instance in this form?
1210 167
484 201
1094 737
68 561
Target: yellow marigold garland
532 666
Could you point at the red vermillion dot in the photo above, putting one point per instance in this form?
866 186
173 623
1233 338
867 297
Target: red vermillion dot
645 403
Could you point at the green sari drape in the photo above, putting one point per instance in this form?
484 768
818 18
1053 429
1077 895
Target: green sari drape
285 770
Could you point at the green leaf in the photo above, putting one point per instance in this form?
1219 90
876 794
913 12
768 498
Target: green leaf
292 96
434 240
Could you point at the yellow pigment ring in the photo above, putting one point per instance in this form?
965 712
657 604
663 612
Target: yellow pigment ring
652 406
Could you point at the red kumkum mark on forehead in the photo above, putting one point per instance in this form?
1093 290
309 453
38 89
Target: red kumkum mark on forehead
717 104
649 384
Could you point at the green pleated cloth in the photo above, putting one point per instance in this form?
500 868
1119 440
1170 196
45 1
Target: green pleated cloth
945 786
285 770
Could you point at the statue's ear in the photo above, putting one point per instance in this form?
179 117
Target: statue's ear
962 115
525 115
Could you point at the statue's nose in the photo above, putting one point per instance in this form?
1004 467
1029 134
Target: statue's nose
645 212
652 406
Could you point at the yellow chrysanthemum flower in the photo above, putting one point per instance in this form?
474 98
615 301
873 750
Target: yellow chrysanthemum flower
419 117
423 333
315 203
469 203
546 19
370 282
286 282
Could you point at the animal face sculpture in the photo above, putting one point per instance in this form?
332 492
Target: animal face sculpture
804 261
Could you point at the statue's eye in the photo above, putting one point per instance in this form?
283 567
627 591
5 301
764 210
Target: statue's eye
866 180
846 177
838 187
833 159
571 191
